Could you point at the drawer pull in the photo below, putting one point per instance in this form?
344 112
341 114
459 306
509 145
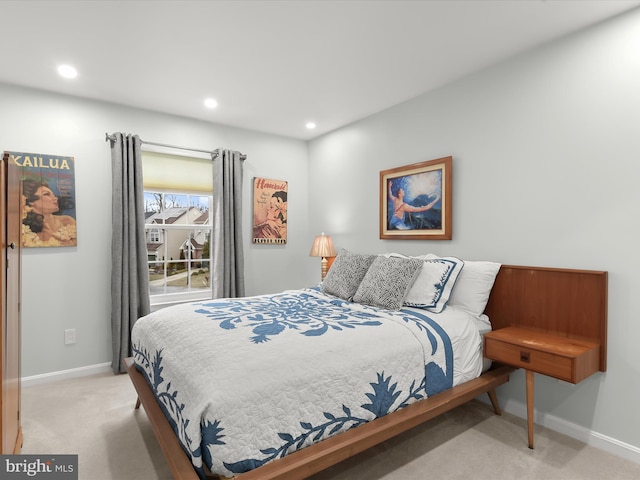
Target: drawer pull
525 357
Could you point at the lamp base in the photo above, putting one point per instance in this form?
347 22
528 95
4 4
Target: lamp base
324 267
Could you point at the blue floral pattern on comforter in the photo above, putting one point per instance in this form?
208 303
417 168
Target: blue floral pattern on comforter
246 381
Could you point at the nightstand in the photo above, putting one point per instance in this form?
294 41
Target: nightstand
559 357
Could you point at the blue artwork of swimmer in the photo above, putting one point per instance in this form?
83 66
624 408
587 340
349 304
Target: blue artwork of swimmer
415 194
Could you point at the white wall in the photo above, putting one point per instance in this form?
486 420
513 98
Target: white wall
545 172
70 287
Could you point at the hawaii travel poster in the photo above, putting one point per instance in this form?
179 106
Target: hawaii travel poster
48 210
269 211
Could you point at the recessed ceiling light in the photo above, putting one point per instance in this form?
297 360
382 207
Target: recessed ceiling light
67 71
210 103
311 125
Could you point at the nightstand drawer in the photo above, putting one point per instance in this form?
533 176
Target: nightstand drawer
551 364
559 357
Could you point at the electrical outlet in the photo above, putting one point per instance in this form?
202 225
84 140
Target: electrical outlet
70 336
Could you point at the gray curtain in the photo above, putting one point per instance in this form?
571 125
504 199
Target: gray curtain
129 270
228 257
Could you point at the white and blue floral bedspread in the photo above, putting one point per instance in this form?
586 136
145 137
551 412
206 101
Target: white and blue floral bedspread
246 381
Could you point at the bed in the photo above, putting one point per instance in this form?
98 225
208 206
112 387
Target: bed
292 394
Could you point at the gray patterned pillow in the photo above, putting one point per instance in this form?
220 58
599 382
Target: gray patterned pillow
387 282
346 273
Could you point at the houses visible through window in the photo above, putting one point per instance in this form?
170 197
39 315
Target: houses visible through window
178 230
178 193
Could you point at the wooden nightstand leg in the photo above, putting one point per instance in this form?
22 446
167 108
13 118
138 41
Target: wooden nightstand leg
530 407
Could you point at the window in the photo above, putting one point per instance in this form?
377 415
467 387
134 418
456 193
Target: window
154 234
178 227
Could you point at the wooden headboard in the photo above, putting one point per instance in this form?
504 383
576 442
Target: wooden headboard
569 303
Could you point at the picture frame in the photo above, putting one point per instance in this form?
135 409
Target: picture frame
270 204
48 210
415 201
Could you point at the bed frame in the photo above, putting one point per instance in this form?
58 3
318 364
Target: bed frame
571 303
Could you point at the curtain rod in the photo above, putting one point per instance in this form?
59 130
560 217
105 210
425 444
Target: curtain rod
213 153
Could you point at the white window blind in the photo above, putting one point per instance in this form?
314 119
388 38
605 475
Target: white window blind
166 172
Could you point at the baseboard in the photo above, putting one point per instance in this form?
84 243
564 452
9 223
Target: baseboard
64 374
595 439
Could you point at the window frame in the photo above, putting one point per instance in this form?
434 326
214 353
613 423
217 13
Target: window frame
149 151
170 298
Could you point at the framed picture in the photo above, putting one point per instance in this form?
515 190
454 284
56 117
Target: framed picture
48 209
415 201
269 211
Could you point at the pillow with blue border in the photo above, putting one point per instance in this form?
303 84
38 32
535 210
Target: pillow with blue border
434 284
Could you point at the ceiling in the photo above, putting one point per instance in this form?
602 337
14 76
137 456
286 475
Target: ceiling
273 66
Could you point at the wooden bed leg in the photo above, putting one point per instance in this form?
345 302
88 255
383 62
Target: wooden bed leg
137 403
494 401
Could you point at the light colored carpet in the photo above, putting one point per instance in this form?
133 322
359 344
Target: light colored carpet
94 417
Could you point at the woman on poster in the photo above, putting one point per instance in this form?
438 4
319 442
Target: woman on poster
43 224
275 222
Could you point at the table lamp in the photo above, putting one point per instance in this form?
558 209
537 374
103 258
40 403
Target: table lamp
323 247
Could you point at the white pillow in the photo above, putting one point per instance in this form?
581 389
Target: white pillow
473 286
433 286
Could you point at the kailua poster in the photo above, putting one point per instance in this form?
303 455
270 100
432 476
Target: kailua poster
48 209
269 211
